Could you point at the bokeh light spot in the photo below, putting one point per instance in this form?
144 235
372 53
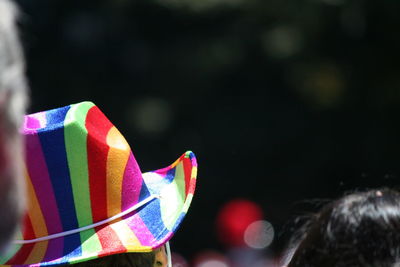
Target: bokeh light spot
259 234
283 41
151 116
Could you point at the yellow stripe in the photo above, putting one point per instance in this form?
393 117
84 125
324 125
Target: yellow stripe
126 236
176 162
194 173
117 158
38 252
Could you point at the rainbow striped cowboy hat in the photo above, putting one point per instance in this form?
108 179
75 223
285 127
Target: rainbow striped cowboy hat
87 196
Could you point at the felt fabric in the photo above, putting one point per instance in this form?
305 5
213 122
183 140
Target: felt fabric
80 170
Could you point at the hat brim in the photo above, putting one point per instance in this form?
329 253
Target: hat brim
142 230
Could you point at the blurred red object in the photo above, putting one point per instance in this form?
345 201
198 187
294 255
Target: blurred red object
234 218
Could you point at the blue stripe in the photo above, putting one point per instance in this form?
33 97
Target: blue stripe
72 247
144 192
53 145
170 176
153 219
178 222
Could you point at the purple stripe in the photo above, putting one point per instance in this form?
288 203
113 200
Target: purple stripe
54 250
131 184
41 182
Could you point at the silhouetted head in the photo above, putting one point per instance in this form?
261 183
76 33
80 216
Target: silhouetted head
13 98
360 229
156 258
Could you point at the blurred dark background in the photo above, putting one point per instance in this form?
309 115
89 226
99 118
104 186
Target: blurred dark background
283 102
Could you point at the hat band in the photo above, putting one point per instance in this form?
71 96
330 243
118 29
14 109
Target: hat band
77 230
169 257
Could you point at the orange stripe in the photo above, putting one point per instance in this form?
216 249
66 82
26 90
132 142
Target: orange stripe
117 159
35 213
38 224
98 127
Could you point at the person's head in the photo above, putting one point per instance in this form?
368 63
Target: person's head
13 98
156 258
359 229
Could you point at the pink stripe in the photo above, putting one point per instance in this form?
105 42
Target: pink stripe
143 234
37 169
131 184
35 121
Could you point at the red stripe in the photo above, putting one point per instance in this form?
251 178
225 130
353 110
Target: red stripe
23 253
187 167
192 186
97 126
109 241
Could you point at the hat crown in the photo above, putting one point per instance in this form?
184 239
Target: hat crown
80 173
80 169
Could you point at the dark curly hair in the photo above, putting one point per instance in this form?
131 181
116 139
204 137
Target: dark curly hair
359 229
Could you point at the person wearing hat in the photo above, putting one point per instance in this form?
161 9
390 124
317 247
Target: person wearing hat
13 102
87 196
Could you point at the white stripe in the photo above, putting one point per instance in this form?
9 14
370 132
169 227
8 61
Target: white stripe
74 231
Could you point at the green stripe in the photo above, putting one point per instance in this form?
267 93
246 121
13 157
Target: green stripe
90 243
172 198
13 249
10 253
75 144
